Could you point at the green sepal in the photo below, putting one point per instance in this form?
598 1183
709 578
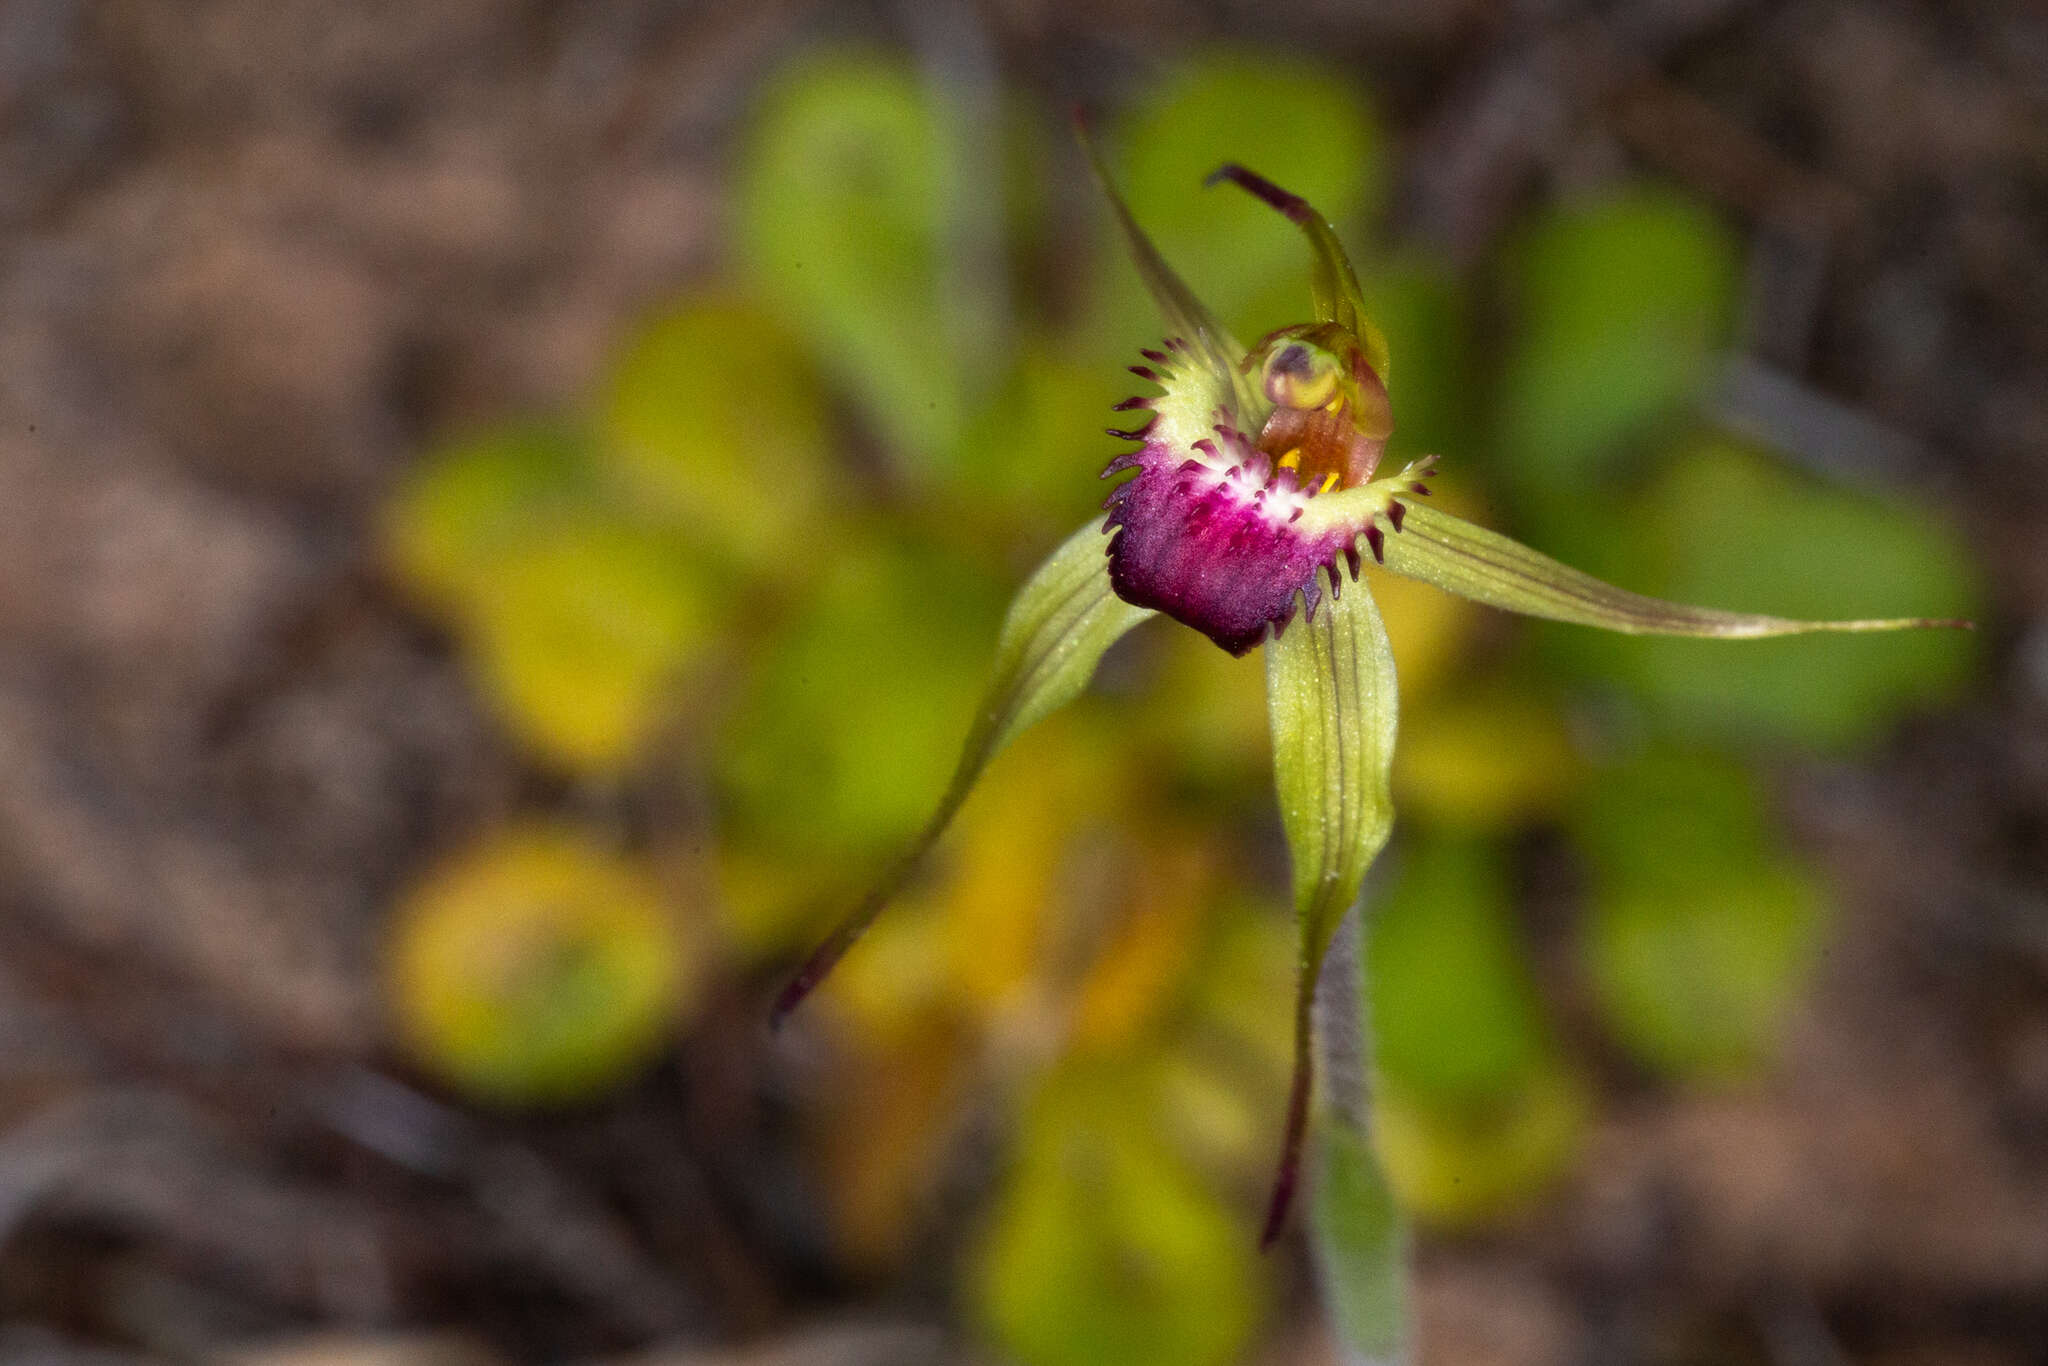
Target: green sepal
1185 315
1493 569
1060 623
1331 699
1332 283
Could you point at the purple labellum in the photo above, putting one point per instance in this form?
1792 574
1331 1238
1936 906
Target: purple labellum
1210 551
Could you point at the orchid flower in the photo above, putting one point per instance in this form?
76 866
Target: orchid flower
1257 498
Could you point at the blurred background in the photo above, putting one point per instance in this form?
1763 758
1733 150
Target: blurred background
504 511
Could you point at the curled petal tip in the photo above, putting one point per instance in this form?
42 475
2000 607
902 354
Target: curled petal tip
1293 205
797 990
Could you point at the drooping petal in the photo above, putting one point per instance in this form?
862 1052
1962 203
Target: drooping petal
1058 627
1330 692
1488 567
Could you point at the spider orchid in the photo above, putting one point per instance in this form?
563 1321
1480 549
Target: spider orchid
1255 499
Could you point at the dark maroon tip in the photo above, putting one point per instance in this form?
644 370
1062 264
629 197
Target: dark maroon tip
1282 1200
1144 373
1134 401
1128 460
1156 357
1288 1175
818 966
1129 433
798 988
1293 205
1395 512
1377 539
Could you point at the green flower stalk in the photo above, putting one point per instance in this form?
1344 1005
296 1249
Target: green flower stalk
1257 499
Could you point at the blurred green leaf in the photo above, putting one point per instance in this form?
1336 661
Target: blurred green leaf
1622 305
843 202
536 967
1488 757
587 629
1421 307
1666 819
1214 741
712 421
1249 964
1727 526
1477 1110
849 728
1701 931
470 502
1300 123
1466 1165
1038 445
1455 1014
1103 1249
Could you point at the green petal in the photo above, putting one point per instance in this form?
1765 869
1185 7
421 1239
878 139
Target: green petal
1487 567
1330 693
1061 622
1332 282
1184 314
